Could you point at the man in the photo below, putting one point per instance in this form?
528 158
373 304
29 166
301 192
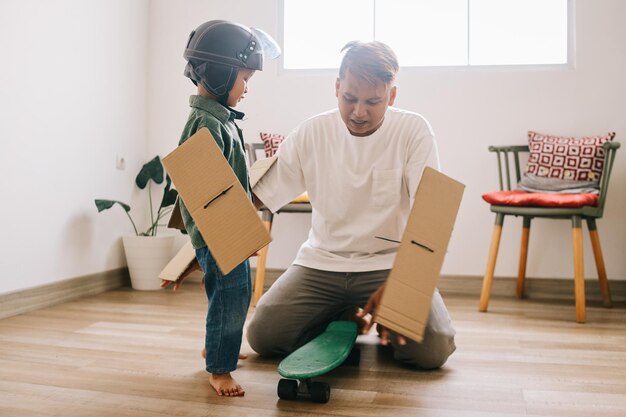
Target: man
360 164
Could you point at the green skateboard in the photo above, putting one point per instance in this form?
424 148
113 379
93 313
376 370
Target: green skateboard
321 355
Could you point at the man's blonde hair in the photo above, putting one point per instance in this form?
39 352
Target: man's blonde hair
371 61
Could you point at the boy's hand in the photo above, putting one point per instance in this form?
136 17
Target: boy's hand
194 266
370 308
258 204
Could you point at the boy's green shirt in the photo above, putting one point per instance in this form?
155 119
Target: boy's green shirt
220 121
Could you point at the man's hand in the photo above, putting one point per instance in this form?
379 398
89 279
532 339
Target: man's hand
194 266
370 308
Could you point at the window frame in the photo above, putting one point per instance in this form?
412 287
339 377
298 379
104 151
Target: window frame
570 64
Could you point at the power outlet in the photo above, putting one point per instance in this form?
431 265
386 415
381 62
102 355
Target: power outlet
120 162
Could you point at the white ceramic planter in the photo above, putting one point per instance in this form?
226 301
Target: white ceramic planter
146 257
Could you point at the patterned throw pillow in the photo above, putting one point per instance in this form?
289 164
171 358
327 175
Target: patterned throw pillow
567 158
271 142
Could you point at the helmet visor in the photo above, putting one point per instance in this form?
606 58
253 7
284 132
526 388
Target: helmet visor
269 46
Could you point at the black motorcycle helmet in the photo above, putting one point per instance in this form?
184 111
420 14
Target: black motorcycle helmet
218 48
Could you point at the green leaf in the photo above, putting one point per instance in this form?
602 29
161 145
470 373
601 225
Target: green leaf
169 194
152 170
169 198
107 204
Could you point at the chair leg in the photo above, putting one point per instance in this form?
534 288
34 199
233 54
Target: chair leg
597 254
259 278
579 269
491 263
523 256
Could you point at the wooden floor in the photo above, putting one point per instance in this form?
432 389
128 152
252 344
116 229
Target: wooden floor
131 353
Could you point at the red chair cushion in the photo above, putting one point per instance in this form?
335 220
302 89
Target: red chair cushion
524 198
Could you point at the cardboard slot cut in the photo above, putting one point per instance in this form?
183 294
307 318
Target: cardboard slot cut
422 246
217 196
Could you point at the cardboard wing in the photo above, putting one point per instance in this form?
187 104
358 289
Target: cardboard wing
259 168
405 304
217 202
179 264
176 219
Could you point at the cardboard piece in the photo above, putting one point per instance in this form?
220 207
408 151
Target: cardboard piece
217 202
179 264
259 168
405 304
176 219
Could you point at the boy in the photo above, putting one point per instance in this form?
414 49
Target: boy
221 58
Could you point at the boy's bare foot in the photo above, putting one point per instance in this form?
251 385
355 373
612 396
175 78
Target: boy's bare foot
241 355
225 385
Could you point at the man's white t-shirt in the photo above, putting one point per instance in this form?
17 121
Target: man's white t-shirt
359 187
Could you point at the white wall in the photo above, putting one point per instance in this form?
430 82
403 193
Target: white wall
72 95
469 109
84 80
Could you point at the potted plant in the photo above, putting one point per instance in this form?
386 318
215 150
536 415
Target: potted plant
146 253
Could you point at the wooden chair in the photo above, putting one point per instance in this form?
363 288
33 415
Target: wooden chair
509 156
301 205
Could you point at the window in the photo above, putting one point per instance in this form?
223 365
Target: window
428 32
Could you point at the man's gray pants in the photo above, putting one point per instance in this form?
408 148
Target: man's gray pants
302 302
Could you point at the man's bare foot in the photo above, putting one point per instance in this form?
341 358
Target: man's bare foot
241 355
225 385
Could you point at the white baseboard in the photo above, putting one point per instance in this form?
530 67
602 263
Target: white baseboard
30 299
47 295
535 288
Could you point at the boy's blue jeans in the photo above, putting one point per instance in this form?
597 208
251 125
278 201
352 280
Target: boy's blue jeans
229 299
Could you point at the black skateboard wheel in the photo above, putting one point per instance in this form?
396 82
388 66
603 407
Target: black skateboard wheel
320 392
287 389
